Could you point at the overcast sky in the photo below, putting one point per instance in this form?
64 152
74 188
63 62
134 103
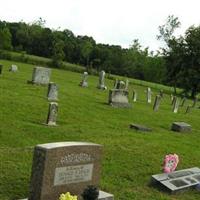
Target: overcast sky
116 22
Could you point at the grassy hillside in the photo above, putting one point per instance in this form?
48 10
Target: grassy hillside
130 157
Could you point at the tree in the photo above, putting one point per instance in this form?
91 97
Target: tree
5 37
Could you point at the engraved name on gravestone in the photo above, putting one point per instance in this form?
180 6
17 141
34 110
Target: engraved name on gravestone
64 167
52 114
157 103
101 84
52 93
41 75
13 68
84 82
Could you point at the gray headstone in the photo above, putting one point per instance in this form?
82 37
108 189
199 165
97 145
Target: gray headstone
52 114
13 68
1 68
126 84
175 105
52 93
183 101
84 82
178 180
119 98
134 96
120 84
65 167
149 95
157 103
195 102
181 127
40 76
101 84
173 100
139 127
188 109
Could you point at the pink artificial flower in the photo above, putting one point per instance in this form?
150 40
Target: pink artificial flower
170 163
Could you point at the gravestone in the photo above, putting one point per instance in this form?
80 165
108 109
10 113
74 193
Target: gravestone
181 127
161 93
101 84
119 84
52 93
52 114
13 68
174 98
65 167
175 105
157 103
178 180
1 68
134 96
84 82
195 102
183 101
149 95
126 84
188 109
40 76
119 98
139 127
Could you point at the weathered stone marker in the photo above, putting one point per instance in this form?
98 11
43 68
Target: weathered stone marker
1 68
149 95
101 84
175 105
173 99
119 84
52 93
65 167
195 102
126 84
183 101
13 68
139 127
119 98
157 102
181 127
40 76
188 109
134 96
52 114
84 82
178 180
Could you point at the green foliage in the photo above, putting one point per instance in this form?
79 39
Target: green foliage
5 37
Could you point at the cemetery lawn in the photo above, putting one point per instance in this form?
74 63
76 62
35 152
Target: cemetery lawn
130 157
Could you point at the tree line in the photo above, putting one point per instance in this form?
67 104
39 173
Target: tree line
172 66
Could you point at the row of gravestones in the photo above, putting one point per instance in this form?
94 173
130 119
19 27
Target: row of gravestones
66 166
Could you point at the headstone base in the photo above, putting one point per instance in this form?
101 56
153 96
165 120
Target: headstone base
181 127
50 124
140 127
102 196
178 181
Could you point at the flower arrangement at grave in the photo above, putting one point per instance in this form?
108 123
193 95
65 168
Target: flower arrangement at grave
170 163
67 196
90 193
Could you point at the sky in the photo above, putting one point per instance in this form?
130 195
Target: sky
115 22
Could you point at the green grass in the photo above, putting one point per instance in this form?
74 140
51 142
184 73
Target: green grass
130 157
